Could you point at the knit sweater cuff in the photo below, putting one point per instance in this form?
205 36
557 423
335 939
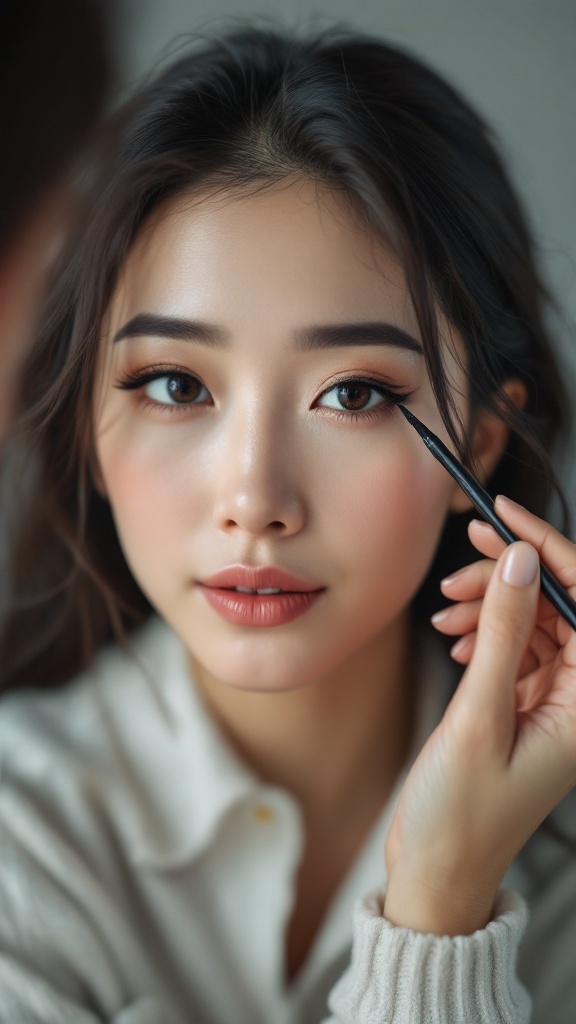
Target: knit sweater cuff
399 976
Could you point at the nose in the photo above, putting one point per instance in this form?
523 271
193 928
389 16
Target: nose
257 490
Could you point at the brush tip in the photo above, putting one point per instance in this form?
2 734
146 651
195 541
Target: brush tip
422 430
406 412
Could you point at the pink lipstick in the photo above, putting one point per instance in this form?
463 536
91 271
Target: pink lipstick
259 595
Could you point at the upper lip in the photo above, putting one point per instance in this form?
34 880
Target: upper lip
258 577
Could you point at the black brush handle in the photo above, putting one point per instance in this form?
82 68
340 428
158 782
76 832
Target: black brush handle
482 501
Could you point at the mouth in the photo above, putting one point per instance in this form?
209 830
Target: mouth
264 590
253 608
264 580
259 595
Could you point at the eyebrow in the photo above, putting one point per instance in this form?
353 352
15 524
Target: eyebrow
307 338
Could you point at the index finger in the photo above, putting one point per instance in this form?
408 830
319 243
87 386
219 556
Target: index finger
555 550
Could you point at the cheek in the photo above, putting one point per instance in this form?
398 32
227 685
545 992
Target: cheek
150 488
388 504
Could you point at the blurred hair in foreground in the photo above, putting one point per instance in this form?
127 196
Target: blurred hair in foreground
55 73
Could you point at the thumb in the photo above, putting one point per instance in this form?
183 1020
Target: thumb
506 623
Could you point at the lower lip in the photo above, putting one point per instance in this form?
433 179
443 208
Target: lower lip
259 609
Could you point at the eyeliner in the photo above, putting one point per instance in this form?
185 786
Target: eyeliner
480 498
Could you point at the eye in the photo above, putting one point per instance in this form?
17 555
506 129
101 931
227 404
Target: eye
166 387
354 396
175 389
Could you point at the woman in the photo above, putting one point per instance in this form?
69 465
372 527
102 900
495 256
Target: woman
296 237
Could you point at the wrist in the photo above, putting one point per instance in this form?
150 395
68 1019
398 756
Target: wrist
438 907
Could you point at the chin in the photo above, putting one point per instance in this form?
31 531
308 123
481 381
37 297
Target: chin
265 686
271 671
258 678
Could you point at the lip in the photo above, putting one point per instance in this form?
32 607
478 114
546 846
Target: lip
244 609
261 577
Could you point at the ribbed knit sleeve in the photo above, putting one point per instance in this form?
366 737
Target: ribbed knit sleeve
399 976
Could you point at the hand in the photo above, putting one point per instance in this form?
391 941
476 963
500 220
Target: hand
505 752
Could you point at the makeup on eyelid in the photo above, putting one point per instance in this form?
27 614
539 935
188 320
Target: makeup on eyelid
180 382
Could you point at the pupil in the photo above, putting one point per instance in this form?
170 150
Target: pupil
183 389
354 396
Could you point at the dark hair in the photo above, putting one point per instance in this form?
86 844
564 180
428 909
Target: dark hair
54 75
414 161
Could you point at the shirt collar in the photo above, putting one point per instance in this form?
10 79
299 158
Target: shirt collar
183 776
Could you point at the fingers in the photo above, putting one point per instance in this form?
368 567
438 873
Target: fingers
468 585
485 538
540 652
505 625
555 550
458 619
469 582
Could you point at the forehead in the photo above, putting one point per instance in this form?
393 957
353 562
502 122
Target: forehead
294 252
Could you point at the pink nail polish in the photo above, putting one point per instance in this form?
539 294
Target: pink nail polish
479 524
459 647
441 615
449 580
505 502
520 565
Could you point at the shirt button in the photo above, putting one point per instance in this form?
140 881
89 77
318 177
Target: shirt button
262 813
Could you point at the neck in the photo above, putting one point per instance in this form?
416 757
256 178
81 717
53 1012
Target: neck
328 742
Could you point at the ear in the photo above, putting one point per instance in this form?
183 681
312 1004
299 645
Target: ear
489 440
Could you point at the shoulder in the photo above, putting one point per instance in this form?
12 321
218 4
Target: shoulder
74 762
70 810
77 724
115 768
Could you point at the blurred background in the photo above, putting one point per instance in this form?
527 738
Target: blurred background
514 59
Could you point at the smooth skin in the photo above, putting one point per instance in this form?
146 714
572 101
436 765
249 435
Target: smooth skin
504 754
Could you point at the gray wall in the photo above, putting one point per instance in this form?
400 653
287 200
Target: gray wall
514 59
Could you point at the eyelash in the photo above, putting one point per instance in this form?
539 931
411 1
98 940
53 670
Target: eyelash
392 393
139 379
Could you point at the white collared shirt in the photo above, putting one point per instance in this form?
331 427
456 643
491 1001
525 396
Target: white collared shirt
147 876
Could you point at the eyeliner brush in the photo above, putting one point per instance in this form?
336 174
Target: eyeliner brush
481 500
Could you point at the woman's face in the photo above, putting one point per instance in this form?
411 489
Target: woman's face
227 436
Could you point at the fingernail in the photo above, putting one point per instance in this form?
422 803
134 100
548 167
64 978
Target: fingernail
479 524
460 646
439 616
520 565
449 580
502 500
